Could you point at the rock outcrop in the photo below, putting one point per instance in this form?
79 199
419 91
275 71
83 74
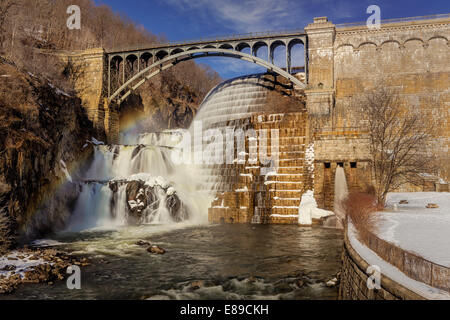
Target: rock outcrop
42 133
143 199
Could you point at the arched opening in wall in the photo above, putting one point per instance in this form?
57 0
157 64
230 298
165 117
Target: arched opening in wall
246 50
260 50
161 55
131 66
278 49
116 72
243 47
297 56
146 60
226 46
176 51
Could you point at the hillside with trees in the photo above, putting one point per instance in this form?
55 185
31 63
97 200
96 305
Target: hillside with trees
44 127
28 26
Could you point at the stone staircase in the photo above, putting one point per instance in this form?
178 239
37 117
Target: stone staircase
247 194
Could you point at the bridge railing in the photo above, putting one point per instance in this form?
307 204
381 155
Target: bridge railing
233 37
396 20
240 36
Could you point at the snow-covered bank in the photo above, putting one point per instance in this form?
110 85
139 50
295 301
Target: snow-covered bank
37 265
415 228
392 272
18 263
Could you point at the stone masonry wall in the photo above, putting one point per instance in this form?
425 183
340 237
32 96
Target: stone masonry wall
90 86
411 57
256 196
353 284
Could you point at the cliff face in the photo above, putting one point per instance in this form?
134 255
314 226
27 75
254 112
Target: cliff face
42 133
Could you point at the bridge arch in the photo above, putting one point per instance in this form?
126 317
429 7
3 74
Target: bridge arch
176 51
258 45
169 61
241 46
161 54
226 46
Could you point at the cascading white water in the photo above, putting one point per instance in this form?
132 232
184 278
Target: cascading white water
138 183
340 193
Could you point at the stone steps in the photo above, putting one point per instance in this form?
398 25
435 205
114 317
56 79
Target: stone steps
290 170
284 193
286 202
286 211
285 186
286 178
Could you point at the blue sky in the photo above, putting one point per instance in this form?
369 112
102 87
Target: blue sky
194 19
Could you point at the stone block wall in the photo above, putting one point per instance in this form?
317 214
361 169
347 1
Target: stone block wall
258 197
90 86
343 62
410 57
348 149
353 284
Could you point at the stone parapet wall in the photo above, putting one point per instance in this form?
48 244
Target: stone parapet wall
412 265
353 284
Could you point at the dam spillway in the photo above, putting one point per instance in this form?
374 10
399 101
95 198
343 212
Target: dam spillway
272 167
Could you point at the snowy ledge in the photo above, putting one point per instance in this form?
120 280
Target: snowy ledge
392 272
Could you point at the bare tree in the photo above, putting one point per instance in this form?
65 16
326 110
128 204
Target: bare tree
5 7
399 140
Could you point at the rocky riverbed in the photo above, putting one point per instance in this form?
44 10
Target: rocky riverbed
35 265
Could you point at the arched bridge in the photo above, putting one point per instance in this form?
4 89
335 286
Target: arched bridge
129 68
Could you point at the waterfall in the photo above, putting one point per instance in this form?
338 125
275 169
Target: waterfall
340 193
138 184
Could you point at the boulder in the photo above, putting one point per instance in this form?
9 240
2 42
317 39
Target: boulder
142 243
156 250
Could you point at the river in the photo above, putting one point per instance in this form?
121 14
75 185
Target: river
201 262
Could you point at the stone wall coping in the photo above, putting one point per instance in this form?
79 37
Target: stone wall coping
412 265
399 22
387 283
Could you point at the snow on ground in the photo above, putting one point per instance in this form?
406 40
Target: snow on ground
42 243
96 142
22 263
415 228
392 272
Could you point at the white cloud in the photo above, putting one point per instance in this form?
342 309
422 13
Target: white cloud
243 15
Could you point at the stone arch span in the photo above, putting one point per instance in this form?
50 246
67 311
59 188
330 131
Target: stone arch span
169 61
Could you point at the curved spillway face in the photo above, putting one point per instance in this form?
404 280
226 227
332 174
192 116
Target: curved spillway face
229 105
234 99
